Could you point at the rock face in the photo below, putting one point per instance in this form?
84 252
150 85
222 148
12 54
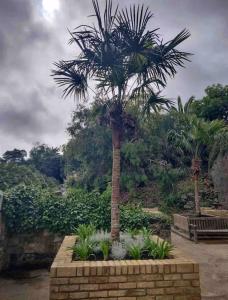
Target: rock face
219 175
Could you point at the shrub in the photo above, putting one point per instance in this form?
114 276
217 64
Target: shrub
30 208
22 209
133 217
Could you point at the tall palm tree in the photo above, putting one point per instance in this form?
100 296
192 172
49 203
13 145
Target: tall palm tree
193 139
126 61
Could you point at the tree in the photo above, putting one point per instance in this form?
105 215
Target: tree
47 160
16 156
194 139
214 105
127 62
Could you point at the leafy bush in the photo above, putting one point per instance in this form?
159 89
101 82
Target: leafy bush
29 208
133 217
22 209
12 174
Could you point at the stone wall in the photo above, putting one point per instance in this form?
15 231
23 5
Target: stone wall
176 278
32 248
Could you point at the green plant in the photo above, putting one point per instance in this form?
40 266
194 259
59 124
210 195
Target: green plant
146 232
158 249
133 217
105 248
135 251
85 231
83 249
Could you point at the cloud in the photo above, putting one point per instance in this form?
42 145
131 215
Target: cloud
31 108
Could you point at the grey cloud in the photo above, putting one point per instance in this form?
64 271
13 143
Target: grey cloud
31 108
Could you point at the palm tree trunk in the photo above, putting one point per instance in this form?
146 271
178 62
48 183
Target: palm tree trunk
196 171
115 215
197 199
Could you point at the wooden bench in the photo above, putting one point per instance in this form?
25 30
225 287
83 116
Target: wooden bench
208 227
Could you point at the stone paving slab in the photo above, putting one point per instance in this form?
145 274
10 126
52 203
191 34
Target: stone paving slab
212 257
36 287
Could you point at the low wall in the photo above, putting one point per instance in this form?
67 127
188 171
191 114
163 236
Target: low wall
32 248
171 279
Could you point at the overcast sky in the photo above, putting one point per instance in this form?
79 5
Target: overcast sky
33 34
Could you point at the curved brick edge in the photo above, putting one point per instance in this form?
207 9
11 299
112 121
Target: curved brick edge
171 279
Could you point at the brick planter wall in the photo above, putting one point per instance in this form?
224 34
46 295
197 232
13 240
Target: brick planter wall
171 279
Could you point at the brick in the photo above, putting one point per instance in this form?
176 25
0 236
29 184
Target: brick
145 298
58 296
69 288
163 283
181 283
135 292
191 276
172 276
128 298
118 278
127 285
54 288
79 271
158 291
108 286
164 297
89 287
66 271
59 281
52 272
147 284
79 295
185 268
195 283
98 294
196 268
78 280
100 279
117 293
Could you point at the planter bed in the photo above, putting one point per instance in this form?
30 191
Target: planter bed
176 278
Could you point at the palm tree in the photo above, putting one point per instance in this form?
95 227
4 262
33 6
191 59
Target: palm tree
193 139
183 108
126 61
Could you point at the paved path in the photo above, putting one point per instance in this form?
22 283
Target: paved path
34 287
213 259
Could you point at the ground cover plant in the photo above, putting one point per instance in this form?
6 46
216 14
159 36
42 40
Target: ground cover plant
133 244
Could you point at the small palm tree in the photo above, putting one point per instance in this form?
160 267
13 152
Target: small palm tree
193 139
126 61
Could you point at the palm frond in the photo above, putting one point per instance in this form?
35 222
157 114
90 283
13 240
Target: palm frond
66 75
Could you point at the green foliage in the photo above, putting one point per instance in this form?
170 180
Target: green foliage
29 208
158 249
12 174
15 156
132 216
214 105
135 251
22 209
47 160
83 249
105 246
85 231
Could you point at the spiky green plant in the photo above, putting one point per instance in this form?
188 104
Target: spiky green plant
105 246
85 231
83 249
